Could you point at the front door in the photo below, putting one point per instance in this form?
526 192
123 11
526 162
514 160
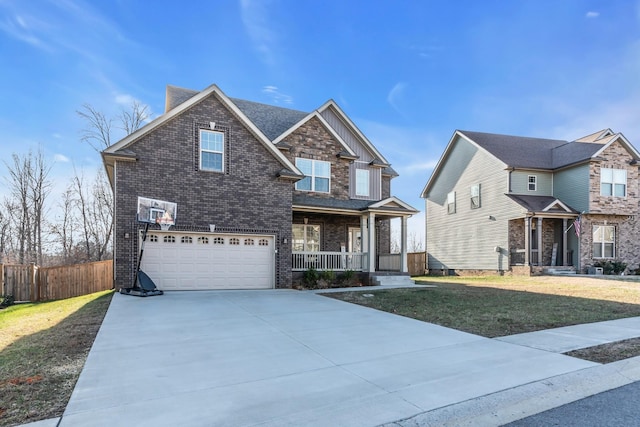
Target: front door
355 240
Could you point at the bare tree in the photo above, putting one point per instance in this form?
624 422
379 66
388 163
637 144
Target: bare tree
65 229
131 120
415 243
99 128
29 187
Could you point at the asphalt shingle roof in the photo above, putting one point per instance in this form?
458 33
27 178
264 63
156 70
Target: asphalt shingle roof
535 153
537 203
272 121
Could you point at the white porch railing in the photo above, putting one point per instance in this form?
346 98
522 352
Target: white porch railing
389 262
336 261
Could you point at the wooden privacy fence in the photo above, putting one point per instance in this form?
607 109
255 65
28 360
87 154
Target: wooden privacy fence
33 283
416 263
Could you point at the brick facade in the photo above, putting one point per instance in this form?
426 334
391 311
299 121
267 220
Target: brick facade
248 196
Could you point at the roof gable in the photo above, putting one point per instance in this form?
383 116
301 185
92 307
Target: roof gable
112 151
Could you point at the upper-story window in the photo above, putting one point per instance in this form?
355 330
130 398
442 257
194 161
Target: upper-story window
475 196
533 183
362 182
451 202
211 151
317 175
613 182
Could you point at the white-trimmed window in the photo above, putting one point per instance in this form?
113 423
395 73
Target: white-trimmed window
451 202
362 182
604 241
613 182
211 150
306 238
532 182
475 196
317 175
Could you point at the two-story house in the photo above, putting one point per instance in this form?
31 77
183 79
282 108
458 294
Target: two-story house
509 203
263 193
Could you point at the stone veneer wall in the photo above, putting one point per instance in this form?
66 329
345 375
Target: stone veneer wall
627 243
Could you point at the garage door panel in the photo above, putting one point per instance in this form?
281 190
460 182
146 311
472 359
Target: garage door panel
183 261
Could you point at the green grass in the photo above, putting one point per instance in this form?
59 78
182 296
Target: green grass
43 347
499 306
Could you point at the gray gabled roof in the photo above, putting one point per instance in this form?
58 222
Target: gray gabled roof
534 153
540 203
271 120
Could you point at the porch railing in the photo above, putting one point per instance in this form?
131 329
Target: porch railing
336 261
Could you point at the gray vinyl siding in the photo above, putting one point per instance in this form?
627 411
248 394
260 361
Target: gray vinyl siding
364 157
572 187
520 183
466 240
347 135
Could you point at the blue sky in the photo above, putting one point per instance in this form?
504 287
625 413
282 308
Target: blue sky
409 73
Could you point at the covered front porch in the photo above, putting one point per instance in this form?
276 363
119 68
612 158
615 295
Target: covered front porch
543 237
350 235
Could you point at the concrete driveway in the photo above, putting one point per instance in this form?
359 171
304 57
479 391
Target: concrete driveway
284 357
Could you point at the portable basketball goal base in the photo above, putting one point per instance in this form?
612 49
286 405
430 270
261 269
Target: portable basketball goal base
150 211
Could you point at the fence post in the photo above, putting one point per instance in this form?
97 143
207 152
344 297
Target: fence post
2 280
33 290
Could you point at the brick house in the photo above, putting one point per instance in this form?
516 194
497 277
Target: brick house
510 203
263 193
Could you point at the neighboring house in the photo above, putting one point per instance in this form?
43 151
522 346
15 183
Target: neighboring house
499 203
263 193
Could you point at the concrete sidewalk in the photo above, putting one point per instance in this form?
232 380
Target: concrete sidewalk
282 357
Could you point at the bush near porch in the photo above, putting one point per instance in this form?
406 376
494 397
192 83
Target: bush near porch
315 279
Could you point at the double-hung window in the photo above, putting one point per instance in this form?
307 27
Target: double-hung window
451 202
613 182
306 238
604 241
317 175
533 182
362 182
475 196
211 151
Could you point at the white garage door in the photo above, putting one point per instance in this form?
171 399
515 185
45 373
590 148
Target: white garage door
195 261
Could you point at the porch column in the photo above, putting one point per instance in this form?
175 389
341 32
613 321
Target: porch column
371 242
564 242
527 240
539 234
364 235
404 268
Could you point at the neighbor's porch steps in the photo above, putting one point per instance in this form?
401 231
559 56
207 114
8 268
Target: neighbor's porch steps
560 271
393 280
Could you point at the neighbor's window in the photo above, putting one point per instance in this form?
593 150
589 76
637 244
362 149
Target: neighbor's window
306 238
533 182
362 182
475 196
451 202
604 241
211 151
317 175
613 182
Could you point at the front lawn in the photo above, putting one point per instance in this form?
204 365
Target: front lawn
499 306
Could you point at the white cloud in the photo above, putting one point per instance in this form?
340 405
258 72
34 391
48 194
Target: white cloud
395 96
277 96
257 23
61 158
592 14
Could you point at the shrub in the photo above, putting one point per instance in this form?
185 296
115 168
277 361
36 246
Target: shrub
310 278
6 301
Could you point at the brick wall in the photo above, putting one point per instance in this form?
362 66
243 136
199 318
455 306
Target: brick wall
626 242
313 141
247 196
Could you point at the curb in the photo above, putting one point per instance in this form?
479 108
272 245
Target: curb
520 402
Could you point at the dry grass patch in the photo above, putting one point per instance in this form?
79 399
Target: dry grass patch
499 306
43 348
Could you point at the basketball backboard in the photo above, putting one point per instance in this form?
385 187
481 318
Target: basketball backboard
156 211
